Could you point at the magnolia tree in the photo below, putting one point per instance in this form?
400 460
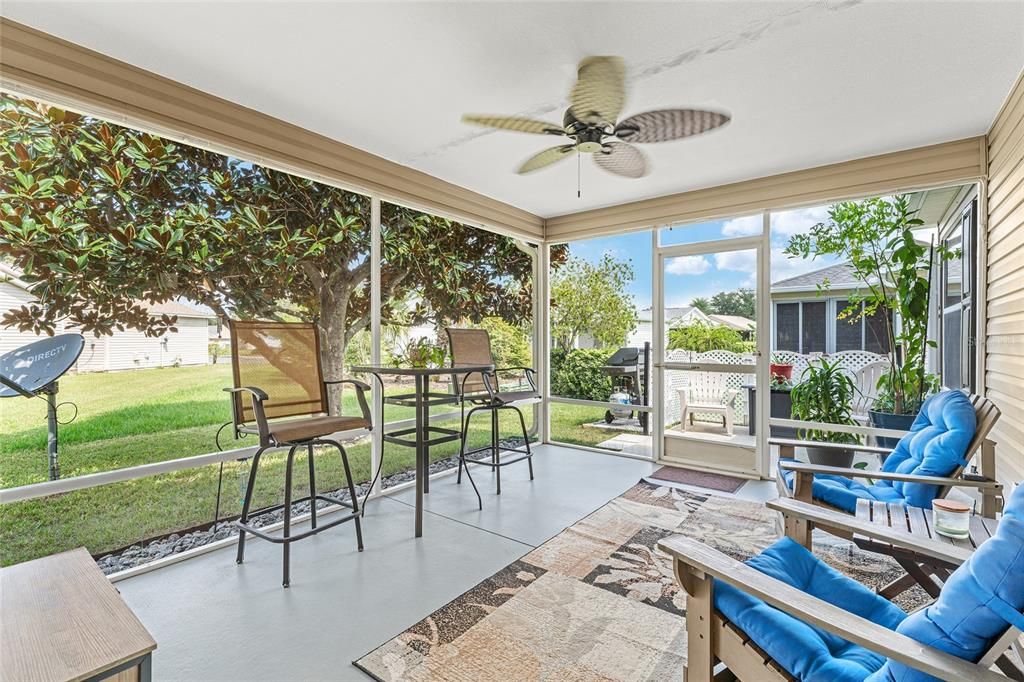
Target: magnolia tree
102 219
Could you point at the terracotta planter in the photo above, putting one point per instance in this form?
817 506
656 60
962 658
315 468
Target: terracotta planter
783 371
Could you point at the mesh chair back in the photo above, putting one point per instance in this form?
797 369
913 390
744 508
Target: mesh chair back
470 347
283 360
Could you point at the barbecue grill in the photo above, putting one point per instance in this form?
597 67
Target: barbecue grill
629 370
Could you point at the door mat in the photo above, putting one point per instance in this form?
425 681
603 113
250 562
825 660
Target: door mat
703 479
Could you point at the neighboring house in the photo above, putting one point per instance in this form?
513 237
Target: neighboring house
674 317
128 349
805 316
743 325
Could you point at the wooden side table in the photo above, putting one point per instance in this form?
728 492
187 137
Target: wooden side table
63 620
926 571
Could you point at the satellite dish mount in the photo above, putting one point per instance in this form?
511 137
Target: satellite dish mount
32 371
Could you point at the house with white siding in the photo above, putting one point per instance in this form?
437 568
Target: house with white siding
128 349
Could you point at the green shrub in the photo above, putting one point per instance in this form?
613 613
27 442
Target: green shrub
577 374
510 344
700 337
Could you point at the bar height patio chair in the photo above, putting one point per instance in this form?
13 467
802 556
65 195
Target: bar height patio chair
483 392
278 365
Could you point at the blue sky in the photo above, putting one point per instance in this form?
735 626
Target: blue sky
702 276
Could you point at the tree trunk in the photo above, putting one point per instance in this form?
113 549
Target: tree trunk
333 311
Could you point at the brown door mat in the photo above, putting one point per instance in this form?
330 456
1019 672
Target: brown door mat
704 479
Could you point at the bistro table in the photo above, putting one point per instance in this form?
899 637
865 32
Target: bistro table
423 434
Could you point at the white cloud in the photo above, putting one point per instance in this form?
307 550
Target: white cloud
737 261
743 227
788 223
688 265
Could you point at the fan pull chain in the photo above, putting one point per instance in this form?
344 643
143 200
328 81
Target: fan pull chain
579 182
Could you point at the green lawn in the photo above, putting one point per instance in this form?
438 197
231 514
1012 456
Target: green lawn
137 417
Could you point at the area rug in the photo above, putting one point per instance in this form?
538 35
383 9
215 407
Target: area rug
703 479
597 601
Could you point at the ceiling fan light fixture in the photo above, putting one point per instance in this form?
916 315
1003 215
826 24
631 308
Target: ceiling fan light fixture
592 124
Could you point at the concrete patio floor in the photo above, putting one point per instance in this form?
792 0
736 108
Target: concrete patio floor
215 620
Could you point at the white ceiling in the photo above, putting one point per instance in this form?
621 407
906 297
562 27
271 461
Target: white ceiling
807 83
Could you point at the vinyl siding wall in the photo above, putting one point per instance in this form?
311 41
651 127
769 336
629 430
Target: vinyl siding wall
124 350
12 296
1004 330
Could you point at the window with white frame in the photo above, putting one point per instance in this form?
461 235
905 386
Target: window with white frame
956 340
824 326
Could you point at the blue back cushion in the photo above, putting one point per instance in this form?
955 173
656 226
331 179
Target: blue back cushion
806 651
935 446
971 611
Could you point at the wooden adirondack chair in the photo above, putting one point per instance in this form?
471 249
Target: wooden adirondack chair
986 415
713 641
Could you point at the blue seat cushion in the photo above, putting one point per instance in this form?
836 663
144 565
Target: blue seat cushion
843 492
805 651
977 603
935 446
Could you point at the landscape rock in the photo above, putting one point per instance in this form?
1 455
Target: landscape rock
175 543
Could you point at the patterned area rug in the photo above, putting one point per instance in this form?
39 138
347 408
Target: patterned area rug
597 601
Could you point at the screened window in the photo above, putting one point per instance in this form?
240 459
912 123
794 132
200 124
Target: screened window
956 346
816 327
813 328
787 326
876 333
849 330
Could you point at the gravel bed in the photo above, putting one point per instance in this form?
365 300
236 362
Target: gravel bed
143 553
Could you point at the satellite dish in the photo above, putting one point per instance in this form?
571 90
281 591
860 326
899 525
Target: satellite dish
32 371
35 366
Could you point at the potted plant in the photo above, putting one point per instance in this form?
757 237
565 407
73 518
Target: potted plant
422 352
780 370
825 394
876 238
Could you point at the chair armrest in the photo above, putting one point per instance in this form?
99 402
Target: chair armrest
361 385
259 414
712 563
800 467
529 372
256 393
361 389
798 443
829 518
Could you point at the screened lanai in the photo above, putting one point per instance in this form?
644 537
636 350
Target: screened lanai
658 324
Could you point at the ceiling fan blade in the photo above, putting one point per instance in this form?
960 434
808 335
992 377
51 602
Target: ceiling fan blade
546 158
516 123
600 90
622 159
668 124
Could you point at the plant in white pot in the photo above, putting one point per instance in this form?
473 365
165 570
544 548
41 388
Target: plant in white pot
825 393
876 237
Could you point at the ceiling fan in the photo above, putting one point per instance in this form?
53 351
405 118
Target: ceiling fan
591 123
